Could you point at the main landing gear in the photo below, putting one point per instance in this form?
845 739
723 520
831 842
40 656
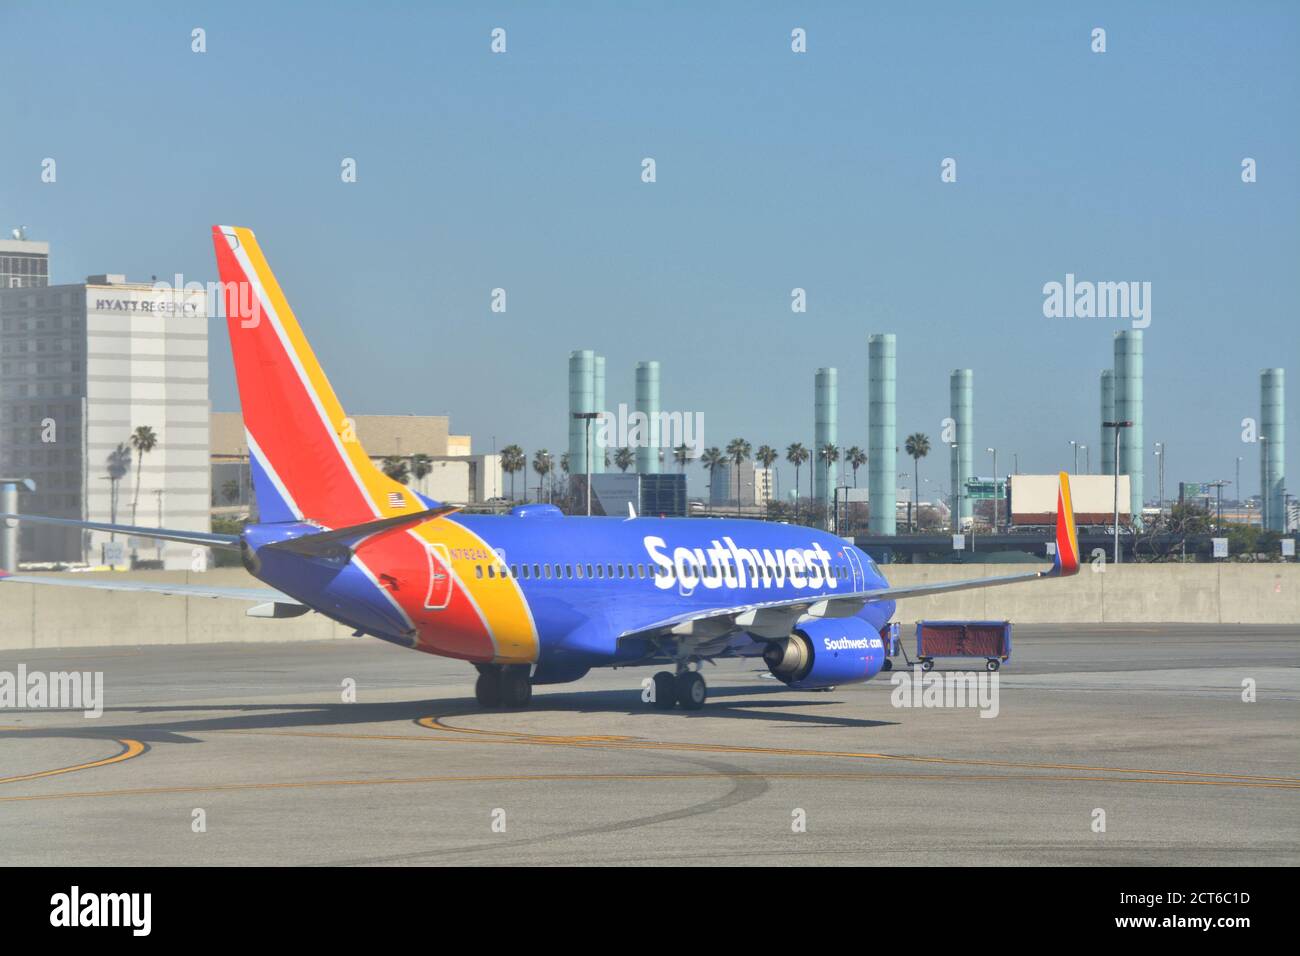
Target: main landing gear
503 686
686 688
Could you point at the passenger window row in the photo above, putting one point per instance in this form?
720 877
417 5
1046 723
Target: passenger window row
549 572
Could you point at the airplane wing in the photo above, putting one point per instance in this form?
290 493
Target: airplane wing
107 583
772 619
205 539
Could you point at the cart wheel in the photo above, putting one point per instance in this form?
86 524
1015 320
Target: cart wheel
993 664
888 665
927 664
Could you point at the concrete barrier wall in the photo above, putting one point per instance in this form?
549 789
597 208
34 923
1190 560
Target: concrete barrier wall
1123 594
34 617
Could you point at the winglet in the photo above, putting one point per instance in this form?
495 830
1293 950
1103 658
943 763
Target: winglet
1067 537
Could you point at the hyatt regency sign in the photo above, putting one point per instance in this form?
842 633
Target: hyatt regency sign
150 306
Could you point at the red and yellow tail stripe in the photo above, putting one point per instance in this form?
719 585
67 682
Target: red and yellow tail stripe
304 445
1067 536
305 441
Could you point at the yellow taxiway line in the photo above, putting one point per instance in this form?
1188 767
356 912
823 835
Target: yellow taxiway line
130 748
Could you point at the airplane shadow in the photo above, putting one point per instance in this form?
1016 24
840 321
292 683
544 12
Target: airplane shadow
731 703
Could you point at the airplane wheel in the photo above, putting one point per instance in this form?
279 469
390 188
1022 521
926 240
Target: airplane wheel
665 691
487 689
993 664
888 665
516 688
927 665
691 690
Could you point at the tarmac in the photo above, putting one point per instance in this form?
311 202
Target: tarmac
1111 745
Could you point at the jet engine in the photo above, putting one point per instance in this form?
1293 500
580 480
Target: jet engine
826 652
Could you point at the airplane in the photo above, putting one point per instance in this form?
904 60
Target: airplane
531 597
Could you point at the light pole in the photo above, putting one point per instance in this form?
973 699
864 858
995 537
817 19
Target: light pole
158 492
956 493
994 453
1263 483
586 418
9 488
1236 489
1087 460
1161 450
1117 426
1074 445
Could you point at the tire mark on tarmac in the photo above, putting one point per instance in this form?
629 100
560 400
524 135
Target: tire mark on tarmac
745 786
605 777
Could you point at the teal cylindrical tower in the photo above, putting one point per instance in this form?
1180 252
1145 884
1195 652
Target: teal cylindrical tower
1272 452
882 432
598 451
826 403
961 396
582 398
1107 415
647 403
1128 408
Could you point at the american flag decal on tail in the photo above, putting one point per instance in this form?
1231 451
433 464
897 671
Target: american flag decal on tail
396 499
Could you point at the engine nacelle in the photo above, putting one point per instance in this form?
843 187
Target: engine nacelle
827 652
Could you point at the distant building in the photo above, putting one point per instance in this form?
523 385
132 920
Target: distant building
755 485
456 476
24 263
81 367
651 495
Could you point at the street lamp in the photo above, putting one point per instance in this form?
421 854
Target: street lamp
1160 472
1263 483
586 418
1087 460
9 488
956 492
1074 445
1117 426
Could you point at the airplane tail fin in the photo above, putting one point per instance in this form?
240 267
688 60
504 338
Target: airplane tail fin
304 454
1067 536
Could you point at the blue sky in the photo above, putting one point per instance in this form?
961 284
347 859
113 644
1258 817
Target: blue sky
775 170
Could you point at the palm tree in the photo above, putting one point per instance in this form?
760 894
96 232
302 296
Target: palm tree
829 455
712 459
796 455
682 455
230 489
395 467
856 458
918 446
624 458
117 465
421 465
766 456
738 451
143 440
543 465
513 460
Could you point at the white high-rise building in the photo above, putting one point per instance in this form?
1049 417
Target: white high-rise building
82 367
